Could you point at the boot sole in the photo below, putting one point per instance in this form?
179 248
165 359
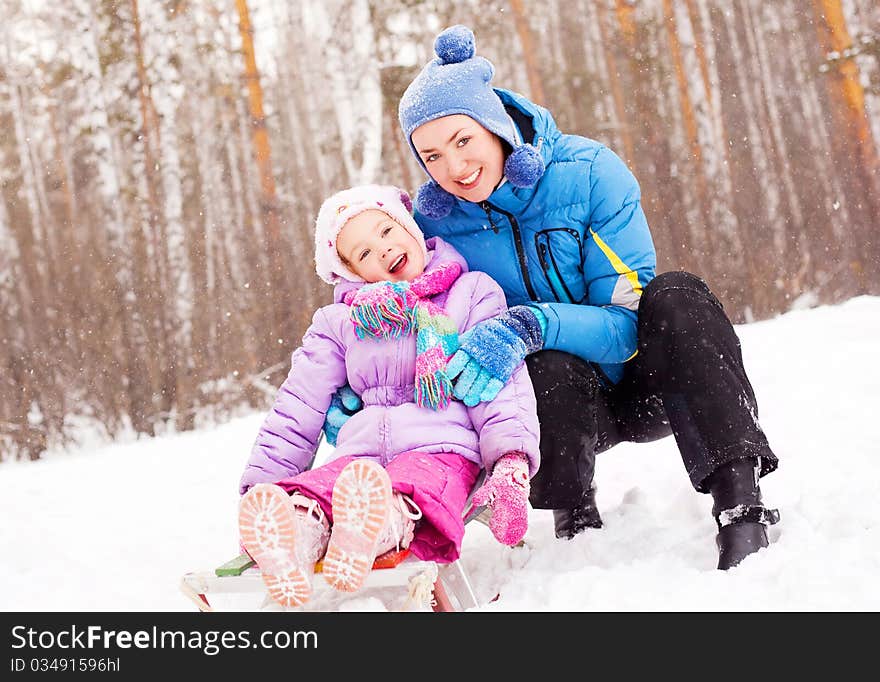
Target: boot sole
361 503
267 528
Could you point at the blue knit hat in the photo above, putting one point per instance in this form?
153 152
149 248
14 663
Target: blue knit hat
458 82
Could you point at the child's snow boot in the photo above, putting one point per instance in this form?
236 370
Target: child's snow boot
570 522
401 526
741 517
361 506
285 535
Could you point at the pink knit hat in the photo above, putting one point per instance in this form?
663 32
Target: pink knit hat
342 206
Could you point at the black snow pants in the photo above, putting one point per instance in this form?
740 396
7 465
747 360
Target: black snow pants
687 379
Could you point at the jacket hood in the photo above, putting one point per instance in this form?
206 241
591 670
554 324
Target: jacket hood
439 252
535 123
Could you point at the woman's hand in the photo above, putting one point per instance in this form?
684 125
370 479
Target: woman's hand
343 405
491 350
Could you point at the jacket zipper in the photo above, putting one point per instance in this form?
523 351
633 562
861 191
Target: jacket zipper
485 206
517 240
552 277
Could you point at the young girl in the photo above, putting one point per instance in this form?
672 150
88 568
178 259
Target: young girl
404 465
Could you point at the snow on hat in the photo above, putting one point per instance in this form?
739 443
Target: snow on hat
344 205
458 82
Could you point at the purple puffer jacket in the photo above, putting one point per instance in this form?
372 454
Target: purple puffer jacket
382 372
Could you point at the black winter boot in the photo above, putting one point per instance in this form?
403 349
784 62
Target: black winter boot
741 517
570 522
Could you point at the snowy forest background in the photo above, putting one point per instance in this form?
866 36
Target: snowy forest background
162 161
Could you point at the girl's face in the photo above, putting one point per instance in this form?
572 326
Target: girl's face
377 248
462 156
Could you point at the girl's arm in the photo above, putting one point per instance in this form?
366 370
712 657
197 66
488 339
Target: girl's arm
510 421
288 438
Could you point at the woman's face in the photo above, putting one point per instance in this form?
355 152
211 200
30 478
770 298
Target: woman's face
377 248
462 156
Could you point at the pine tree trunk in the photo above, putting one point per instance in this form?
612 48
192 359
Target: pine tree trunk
661 192
700 217
524 31
166 358
621 122
778 146
278 293
854 137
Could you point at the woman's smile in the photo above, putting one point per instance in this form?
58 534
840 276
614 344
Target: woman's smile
471 180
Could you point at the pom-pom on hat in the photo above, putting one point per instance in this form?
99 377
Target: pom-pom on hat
459 82
344 205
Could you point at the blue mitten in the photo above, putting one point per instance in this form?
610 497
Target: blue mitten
344 404
490 351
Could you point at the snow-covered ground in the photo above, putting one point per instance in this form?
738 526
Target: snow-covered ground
114 527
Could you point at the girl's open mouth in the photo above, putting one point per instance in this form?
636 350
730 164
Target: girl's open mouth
398 264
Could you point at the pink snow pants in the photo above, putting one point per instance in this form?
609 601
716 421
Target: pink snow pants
438 483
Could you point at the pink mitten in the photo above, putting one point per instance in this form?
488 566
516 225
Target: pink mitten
506 492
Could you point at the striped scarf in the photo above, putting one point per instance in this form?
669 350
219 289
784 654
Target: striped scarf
386 310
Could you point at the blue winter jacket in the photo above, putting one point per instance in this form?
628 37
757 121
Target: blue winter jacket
577 244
